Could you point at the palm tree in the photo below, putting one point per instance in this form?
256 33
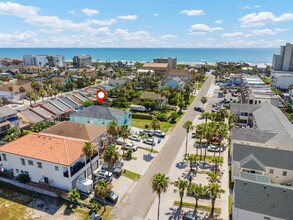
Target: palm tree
181 186
209 134
191 158
10 88
160 184
89 150
113 129
42 93
203 100
214 190
199 133
102 189
206 116
197 190
124 132
213 177
221 115
188 127
222 133
111 156
216 161
232 119
73 196
22 90
155 124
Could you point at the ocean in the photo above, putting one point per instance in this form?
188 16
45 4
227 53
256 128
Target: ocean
184 55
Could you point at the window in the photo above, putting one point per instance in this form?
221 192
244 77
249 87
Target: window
39 165
17 170
284 173
30 162
266 218
22 161
4 157
0 158
271 171
56 168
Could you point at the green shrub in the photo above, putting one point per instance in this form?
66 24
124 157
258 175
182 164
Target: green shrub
23 178
142 116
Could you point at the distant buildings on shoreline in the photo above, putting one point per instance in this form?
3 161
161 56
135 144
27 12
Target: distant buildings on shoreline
284 60
172 61
43 60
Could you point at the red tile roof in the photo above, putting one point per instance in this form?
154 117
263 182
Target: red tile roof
56 150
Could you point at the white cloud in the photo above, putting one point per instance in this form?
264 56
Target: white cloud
168 36
218 21
103 22
51 31
18 39
156 14
192 12
15 9
254 44
250 7
90 12
263 18
71 12
203 29
127 17
236 35
267 31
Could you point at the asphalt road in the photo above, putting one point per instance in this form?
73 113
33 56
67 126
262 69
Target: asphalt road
142 196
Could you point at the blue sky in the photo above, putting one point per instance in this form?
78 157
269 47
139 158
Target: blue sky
146 23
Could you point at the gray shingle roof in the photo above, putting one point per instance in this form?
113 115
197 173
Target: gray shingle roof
253 163
52 108
267 156
6 111
60 105
80 97
264 198
30 116
69 102
255 177
252 135
42 112
104 112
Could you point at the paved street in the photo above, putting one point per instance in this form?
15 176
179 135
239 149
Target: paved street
179 169
139 201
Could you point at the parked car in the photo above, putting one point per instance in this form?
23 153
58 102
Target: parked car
149 141
215 148
190 216
159 133
130 146
134 137
105 175
193 135
147 132
111 198
117 171
199 109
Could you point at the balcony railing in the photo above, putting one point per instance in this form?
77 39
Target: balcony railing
76 168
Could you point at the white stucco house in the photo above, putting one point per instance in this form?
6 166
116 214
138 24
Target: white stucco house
49 161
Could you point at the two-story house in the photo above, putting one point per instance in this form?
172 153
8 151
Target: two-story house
49 161
102 116
8 119
86 132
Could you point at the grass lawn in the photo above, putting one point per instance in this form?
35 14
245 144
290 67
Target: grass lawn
208 158
141 123
230 204
131 175
149 150
200 207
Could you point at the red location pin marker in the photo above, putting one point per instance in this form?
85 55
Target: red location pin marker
101 95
